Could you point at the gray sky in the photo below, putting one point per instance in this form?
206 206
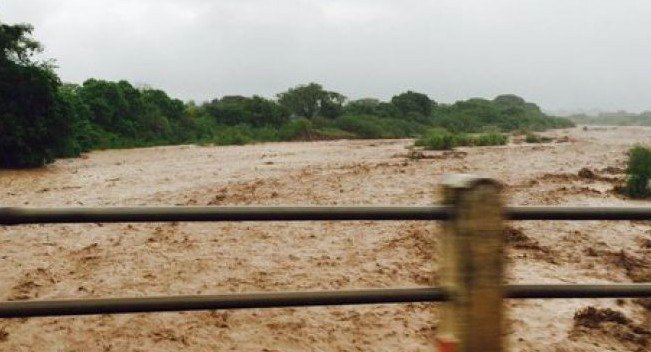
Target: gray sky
562 54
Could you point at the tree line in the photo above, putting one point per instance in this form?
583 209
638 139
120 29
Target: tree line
42 119
620 118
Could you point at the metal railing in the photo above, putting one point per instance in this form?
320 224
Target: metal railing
41 308
45 308
16 216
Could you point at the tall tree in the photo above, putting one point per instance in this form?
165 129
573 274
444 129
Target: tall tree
413 102
254 111
34 124
312 100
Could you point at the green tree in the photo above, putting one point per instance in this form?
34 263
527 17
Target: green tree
413 102
312 100
255 111
509 100
639 172
365 106
35 126
125 116
83 136
114 106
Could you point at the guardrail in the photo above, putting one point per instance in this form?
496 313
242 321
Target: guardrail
17 216
472 263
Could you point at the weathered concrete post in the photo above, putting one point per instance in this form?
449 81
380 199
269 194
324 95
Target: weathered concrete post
472 266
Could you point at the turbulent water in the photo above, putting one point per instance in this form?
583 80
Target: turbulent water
94 260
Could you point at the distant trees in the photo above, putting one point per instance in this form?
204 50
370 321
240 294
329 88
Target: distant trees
42 119
365 106
255 111
509 100
311 100
413 102
619 118
371 106
504 113
122 115
113 106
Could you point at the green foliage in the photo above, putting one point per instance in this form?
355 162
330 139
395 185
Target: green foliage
296 129
369 126
535 138
365 106
35 126
441 139
639 172
233 135
312 100
255 111
491 138
620 118
121 115
41 119
412 102
16 45
329 133
364 126
504 113
81 136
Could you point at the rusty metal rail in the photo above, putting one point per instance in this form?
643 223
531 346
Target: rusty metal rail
45 308
19 215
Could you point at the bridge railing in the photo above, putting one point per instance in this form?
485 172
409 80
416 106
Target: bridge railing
472 260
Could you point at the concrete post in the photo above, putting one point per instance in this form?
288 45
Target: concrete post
473 261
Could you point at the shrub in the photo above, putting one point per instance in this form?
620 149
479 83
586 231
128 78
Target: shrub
534 138
364 126
296 129
236 135
265 134
437 139
440 139
639 172
491 138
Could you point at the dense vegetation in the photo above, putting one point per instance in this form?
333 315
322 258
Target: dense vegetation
35 124
42 119
442 139
620 118
505 113
639 172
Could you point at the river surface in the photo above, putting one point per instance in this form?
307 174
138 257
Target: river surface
110 260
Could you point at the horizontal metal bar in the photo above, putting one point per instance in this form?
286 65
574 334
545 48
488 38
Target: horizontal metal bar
18 309
577 213
43 308
15 216
578 291
159 214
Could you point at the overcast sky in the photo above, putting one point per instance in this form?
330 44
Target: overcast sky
561 54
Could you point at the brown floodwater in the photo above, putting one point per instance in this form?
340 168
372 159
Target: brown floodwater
95 260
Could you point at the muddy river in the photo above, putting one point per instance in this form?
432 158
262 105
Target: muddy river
96 260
